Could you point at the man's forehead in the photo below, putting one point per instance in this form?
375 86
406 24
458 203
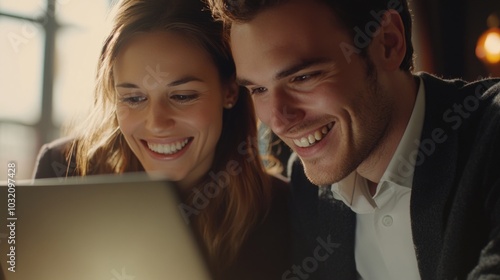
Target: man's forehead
276 42
286 19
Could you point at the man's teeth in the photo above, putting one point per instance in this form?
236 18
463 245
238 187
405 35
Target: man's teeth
313 137
168 149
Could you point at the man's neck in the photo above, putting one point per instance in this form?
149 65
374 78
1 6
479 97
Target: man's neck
405 93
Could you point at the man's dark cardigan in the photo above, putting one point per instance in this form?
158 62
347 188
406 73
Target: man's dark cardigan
455 199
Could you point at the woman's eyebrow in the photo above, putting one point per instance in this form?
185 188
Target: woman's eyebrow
127 85
184 80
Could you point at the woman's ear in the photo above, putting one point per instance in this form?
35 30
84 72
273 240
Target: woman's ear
231 95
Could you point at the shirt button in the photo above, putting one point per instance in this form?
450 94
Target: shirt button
387 220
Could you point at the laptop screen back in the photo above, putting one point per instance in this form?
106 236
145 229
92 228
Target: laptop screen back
109 228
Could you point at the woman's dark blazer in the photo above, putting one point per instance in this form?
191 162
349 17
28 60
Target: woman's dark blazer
51 161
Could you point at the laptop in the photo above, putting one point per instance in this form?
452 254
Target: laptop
97 228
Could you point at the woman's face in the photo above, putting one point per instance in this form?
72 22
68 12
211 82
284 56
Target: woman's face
169 106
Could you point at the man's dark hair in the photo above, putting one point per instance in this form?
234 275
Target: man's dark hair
353 14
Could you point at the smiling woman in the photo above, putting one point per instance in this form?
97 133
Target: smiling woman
166 102
172 122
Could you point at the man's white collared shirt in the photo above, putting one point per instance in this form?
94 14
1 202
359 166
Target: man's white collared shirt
384 247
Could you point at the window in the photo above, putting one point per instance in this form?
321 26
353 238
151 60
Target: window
49 51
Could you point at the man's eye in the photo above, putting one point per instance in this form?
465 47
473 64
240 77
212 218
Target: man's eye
306 77
301 78
257 90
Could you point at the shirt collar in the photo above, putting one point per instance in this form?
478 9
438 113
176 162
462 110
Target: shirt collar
402 165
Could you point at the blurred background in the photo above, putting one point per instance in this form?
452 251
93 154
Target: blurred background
49 51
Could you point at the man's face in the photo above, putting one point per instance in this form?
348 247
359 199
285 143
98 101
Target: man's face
328 107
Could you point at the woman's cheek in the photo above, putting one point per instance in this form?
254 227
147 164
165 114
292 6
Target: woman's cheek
122 112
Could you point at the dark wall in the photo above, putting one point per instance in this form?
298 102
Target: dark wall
450 29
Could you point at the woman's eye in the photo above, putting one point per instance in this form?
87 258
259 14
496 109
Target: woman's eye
183 98
133 100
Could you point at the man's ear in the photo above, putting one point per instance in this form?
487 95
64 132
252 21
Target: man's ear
231 95
388 47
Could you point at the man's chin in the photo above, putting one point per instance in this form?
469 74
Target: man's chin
321 175
317 177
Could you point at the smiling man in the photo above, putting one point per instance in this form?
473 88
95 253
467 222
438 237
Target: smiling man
406 163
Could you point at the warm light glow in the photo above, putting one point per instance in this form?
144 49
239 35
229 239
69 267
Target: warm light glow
488 46
492 43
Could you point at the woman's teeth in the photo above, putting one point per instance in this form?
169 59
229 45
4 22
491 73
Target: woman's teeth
168 149
314 137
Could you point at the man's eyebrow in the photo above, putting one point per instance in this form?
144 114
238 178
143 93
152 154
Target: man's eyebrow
243 82
177 82
289 70
299 66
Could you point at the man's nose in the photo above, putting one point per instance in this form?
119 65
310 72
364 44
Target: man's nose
285 110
